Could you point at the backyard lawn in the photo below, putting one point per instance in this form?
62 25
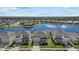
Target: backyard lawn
76 46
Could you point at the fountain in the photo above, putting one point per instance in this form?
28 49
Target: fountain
63 26
51 26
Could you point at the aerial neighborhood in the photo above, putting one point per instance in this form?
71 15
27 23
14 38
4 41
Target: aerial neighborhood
39 33
39 29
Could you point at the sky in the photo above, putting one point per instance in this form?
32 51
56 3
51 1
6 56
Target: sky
39 11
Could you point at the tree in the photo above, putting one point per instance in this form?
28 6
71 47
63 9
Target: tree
0 40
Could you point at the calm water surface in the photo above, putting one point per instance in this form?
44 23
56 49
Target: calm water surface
47 27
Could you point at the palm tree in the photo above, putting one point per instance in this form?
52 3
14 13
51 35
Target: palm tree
0 40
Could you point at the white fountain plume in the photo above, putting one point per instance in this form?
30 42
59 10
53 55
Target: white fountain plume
51 26
63 26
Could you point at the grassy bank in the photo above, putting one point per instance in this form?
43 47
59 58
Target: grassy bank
16 26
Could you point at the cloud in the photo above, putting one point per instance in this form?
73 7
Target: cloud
36 11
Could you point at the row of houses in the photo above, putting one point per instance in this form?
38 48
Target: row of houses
31 20
41 38
23 37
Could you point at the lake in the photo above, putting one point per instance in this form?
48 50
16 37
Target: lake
47 27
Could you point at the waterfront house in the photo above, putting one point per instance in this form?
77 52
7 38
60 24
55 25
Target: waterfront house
75 38
4 37
76 41
66 39
40 37
23 37
57 37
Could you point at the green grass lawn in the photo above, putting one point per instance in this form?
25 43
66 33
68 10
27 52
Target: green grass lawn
51 44
76 46
6 26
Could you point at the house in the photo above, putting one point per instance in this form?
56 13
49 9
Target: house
25 23
75 38
66 39
62 38
4 37
57 37
40 38
76 41
23 37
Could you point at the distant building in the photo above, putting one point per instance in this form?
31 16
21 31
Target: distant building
31 20
25 23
